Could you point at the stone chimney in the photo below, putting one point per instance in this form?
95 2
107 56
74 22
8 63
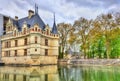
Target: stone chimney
16 18
30 13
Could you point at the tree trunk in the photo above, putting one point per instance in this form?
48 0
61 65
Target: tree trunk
108 49
84 53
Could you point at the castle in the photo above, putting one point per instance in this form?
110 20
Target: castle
29 41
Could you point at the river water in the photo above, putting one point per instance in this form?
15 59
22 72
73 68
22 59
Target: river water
60 73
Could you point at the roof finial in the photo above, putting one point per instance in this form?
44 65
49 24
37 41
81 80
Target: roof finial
54 16
54 29
36 8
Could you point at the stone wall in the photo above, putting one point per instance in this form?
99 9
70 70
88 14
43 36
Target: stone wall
91 61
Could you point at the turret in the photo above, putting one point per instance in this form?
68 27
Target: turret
54 29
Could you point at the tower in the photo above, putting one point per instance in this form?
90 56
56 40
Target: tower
54 29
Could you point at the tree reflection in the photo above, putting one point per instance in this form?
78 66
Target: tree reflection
95 73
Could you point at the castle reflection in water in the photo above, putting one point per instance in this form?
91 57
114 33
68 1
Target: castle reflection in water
60 73
45 73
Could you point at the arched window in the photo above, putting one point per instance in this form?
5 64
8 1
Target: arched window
36 39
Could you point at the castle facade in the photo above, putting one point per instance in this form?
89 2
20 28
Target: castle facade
29 41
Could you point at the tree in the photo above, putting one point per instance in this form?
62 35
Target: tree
64 30
82 27
74 41
107 23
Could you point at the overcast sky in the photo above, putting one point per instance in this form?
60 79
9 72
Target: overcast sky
66 10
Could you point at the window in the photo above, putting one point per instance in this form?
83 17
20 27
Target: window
5 53
25 41
47 31
36 29
15 52
15 32
24 31
16 43
8 28
9 44
46 51
25 52
36 39
46 42
6 44
35 49
8 53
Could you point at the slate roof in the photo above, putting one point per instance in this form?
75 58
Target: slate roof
35 19
54 29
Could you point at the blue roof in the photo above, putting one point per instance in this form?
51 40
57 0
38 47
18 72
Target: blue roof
35 19
54 29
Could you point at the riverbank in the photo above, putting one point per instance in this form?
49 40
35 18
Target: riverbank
89 61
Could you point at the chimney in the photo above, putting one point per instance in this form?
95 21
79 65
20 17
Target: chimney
16 18
30 13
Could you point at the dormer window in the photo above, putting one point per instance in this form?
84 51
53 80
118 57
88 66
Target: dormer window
35 28
47 31
9 28
24 31
15 32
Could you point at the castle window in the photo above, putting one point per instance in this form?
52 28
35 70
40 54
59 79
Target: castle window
38 29
36 39
46 42
46 52
15 52
35 28
5 53
9 44
24 31
35 49
47 31
6 44
25 41
15 32
8 53
16 43
25 52
32 29
8 28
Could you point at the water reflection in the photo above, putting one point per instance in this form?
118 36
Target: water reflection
46 73
61 73
91 73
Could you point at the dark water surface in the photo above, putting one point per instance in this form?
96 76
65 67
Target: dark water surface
60 73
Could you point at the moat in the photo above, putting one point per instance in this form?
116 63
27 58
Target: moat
60 73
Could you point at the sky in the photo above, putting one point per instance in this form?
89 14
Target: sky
65 10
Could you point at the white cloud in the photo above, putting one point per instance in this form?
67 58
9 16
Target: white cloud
66 10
